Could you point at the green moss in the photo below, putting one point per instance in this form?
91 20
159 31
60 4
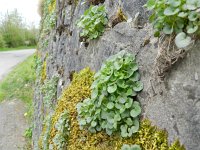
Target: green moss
78 90
148 137
176 146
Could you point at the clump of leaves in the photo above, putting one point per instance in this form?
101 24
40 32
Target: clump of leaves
28 132
93 22
180 17
78 90
45 135
49 17
130 147
62 127
49 89
111 106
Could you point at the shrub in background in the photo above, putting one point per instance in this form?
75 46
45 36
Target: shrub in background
16 32
2 42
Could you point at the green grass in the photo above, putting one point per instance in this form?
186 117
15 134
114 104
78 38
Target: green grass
17 48
18 84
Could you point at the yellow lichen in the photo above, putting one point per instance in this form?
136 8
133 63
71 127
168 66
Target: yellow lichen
44 72
118 17
149 137
52 6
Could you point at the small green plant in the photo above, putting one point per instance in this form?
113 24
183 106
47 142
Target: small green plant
44 138
63 128
49 89
111 106
180 17
93 22
49 17
130 147
28 132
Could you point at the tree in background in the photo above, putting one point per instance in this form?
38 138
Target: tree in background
15 32
2 42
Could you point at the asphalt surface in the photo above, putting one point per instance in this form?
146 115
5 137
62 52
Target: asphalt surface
9 59
12 120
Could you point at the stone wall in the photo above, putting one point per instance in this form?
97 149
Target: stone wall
173 104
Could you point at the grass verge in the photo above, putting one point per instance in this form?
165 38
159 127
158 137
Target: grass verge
17 48
18 84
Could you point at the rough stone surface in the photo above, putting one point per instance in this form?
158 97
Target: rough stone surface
172 105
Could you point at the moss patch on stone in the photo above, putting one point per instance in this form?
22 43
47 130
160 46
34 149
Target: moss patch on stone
78 90
149 137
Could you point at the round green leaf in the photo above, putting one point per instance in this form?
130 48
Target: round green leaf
117 65
193 16
129 92
122 99
108 131
135 126
182 40
183 14
112 88
125 147
129 121
94 94
135 77
93 123
118 106
136 109
82 122
191 29
191 6
129 103
170 11
151 4
110 105
168 29
92 130
175 3
135 147
138 86
117 117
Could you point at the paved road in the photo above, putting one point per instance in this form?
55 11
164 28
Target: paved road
12 121
9 59
12 125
